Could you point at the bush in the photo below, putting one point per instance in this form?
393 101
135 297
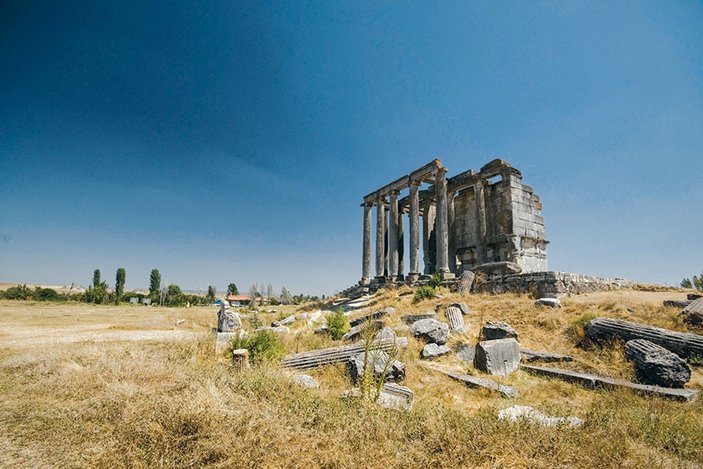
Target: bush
20 292
577 330
263 346
424 293
45 294
337 324
436 280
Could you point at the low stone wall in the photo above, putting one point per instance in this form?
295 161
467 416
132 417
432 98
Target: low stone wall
548 284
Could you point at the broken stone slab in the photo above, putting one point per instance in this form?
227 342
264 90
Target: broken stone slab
392 396
498 330
463 307
456 320
228 321
549 302
497 268
305 381
594 381
677 303
322 330
385 333
433 350
381 362
517 412
547 357
412 318
694 296
284 321
474 382
276 329
431 330
332 355
356 331
683 344
497 357
466 352
656 365
369 317
693 313
466 282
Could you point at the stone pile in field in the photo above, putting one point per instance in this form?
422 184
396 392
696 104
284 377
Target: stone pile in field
497 357
497 330
431 330
657 365
381 362
517 412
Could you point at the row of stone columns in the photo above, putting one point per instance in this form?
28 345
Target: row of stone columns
439 215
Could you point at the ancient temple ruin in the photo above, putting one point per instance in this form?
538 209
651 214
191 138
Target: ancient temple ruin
469 220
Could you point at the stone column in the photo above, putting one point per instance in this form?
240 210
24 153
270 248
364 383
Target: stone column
452 236
442 224
428 220
414 273
380 236
393 237
366 254
401 244
481 224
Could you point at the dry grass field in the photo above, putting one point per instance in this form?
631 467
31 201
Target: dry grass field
129 386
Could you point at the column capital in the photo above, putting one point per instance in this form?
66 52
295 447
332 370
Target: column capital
415 182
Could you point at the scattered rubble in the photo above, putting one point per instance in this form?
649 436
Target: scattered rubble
328 356
356 331
657 365
276 329
433 350
456 320
497 357
305 381
498 330
431 330
677 303
594 381
412 318
386 333
550 302
375 315
392 396
465 352
284 321
379 360
683 344
517 412
693 313
474 382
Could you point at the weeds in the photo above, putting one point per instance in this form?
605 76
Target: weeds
337 324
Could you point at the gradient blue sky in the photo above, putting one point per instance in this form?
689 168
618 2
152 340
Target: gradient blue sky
233 141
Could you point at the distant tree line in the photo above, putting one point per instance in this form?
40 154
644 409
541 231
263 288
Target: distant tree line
171 295
695 282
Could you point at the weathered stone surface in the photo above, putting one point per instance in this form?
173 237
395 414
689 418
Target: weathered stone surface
222 341
356 331
546 357
497 357
328 356
322 330
412 318
305 381
466 352
277 330
456 320
375 315
497 330
463 307
677 303
240 359
656 365
466 282
474 382
595 381
284 321
433 350
395 396
386 333
693 313
228 321
683 344
431 330
550 302
498 268
694 296
378 359
517 412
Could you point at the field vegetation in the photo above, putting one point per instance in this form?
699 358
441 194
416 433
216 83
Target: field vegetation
131 386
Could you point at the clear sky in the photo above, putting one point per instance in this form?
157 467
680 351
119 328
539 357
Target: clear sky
226 141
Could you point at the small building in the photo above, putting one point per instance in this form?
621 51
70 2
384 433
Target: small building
238 300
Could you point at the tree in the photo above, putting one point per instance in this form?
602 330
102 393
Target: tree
696 282
211 292
286 298
120 278
269 291
232 289
96 278
154 282
174 295
254 291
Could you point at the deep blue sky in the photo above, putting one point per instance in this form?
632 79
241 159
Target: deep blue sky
233 141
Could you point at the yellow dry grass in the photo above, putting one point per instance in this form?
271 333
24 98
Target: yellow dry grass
73 395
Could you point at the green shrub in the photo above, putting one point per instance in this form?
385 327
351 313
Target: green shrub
423 293
20 292
263 346
577 330
436 281
45 294
337 324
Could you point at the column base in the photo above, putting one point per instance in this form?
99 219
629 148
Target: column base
446 275
380 279
413 277
365 282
